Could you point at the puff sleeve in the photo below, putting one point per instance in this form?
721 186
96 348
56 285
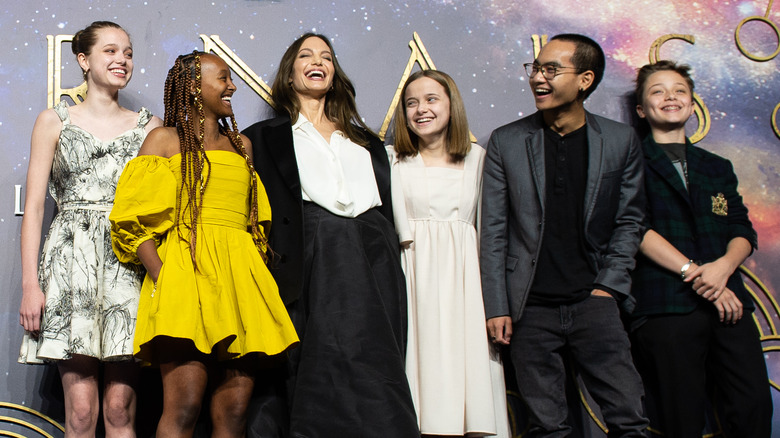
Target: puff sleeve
144 205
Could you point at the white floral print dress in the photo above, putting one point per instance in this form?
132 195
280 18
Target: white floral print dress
91 298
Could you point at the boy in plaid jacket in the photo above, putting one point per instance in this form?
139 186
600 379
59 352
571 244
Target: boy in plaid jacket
692 326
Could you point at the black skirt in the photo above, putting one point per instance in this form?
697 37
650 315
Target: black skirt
347 375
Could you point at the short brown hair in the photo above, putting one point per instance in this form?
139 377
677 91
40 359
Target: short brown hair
644 73
458 138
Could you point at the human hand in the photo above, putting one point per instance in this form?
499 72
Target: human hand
500 329
709 280
601 293
31 309
729 307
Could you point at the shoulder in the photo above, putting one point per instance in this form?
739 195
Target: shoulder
154 122
162 141
247 143
373 139
48 119
521 127
476 150
266 124
46 131
609 126
390 152
711 158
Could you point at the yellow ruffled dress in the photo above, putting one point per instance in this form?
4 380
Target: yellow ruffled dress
230 304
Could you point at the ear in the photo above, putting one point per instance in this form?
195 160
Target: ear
640 111
586 80
83 63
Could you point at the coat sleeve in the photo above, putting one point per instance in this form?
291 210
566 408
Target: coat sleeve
493 231
618 261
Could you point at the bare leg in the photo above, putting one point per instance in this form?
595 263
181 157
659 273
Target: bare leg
80 385
230 399
184 384
119 400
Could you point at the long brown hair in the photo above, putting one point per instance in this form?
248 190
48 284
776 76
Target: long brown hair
405 141
340 106
183 109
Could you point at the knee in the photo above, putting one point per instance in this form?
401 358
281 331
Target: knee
230 416
185 412
117 413
82 417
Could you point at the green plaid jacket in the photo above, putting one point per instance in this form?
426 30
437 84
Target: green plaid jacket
699 222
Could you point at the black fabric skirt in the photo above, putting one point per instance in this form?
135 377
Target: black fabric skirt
347 375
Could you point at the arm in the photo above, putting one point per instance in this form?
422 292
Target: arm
663 253
42 147
147 253
493 244
711 277
619 260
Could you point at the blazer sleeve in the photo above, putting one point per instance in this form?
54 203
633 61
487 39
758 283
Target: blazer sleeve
493 230
618 261
738 220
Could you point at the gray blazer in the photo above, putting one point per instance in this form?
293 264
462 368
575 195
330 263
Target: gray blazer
513 218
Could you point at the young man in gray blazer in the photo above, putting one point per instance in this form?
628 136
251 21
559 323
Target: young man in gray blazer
562 209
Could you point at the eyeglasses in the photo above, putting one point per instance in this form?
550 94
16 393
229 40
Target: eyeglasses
549 71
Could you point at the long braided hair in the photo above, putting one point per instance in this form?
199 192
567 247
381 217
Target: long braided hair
183 109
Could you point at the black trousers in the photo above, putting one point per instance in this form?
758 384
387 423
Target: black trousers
681 356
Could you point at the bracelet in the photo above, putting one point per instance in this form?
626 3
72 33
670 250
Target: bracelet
684 268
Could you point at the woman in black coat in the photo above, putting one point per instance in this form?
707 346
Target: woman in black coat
335 252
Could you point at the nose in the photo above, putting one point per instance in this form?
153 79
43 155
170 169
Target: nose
537 74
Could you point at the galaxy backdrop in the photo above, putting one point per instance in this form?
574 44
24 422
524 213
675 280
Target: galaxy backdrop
481 43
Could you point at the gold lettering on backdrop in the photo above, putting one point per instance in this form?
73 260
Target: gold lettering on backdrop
54 65
766 20
419 56
214 44
774 120
700 109
539 41
18 200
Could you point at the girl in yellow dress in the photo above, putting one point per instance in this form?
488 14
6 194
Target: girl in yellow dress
192 210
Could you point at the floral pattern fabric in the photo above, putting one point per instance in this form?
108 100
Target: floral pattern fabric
91 298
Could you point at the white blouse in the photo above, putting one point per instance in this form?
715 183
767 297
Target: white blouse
338 176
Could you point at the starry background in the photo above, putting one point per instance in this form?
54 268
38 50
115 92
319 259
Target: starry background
481 43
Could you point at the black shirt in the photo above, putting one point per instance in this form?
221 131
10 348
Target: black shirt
563 275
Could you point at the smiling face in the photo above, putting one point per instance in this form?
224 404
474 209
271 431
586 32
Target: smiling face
562 90
312 73
427 109
217 86
110 61
667 100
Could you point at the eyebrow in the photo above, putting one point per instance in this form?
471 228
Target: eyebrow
661 84
553 63
324 52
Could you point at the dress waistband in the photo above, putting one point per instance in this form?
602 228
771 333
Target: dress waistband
86 205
